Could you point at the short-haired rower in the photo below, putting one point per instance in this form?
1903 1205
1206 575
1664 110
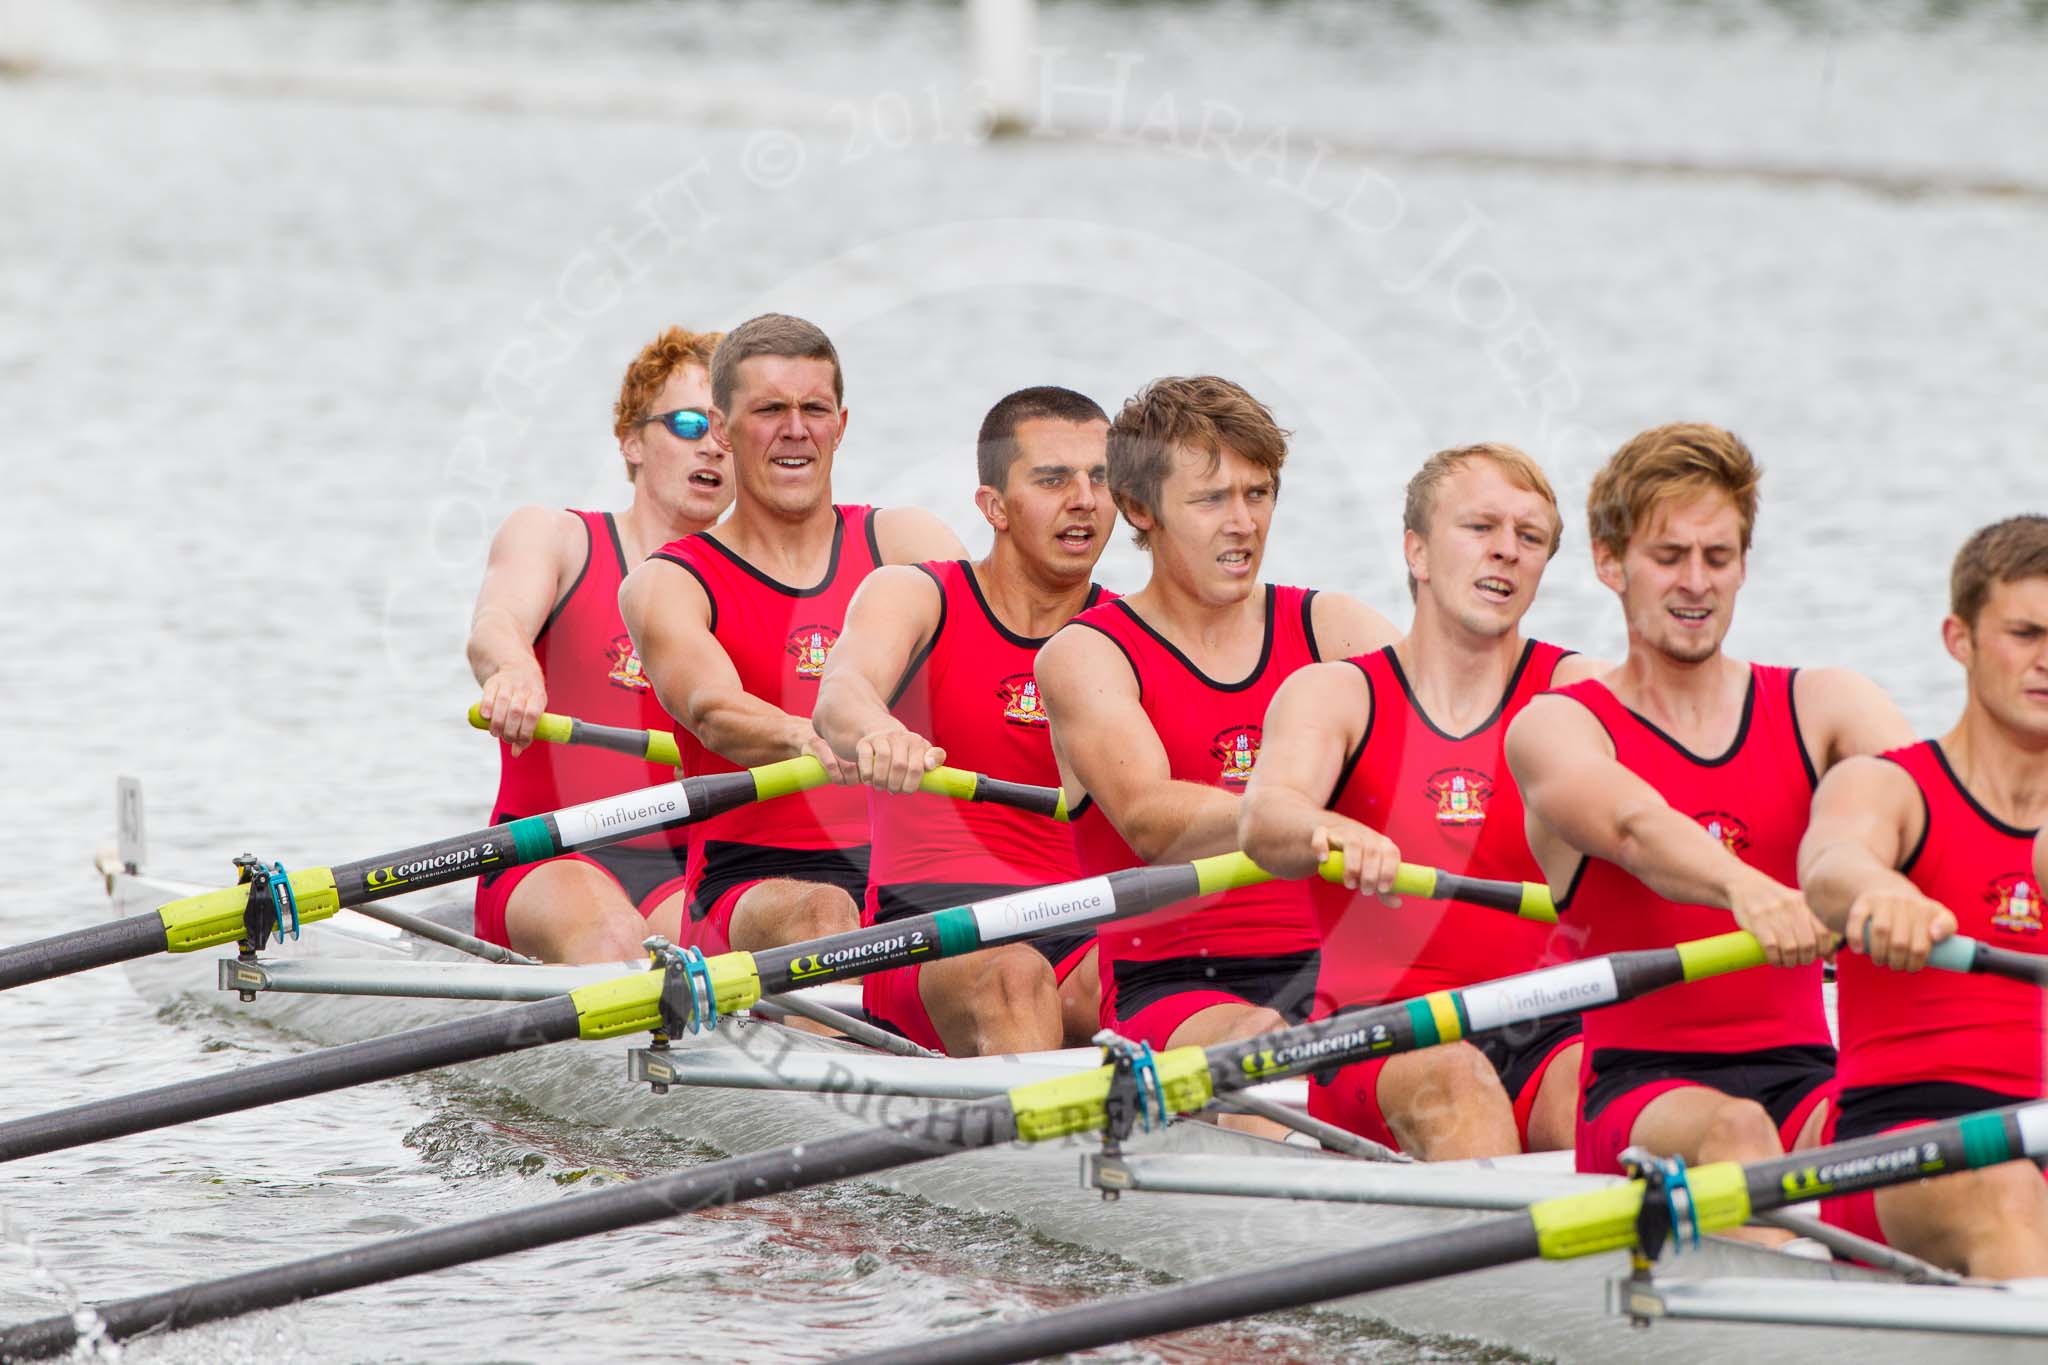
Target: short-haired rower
734 627
1909 848
937 665
1158 702
1667 798
547 630
1397 754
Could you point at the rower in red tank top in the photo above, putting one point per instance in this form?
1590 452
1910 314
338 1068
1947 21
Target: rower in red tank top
1667 798
1930 841
734 629
937 663
548 634
1157 704
1396 756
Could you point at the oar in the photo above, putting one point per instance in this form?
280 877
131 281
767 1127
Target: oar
1183 1080
659 746
1715 1197
310 894
1961 953
634 1003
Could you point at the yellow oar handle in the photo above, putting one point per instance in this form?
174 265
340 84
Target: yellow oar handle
1528 900
654 746
659 746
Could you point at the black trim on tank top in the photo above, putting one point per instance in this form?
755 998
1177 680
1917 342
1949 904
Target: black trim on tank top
2012 831
611 526
817 589
577 581
1571 889
1493 719
874 538
1926 815
1250 680
1798 735
995 622
919 659
710 597
1136 676
1741 731
1308 625
1372 715
1079 808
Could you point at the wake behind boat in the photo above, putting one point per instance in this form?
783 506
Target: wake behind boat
1558 1310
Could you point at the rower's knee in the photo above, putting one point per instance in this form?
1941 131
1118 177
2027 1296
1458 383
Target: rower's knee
1013 983
1740 1130
777 913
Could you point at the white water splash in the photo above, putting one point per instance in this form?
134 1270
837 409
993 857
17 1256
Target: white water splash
93 1342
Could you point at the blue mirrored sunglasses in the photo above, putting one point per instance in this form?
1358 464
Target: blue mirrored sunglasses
688 423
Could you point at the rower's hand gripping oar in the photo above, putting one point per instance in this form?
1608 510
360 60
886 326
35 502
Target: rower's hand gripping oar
1183 1080
659 746
275 901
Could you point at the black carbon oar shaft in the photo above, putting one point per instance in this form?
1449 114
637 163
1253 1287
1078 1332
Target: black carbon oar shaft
290 1078
937 1133
101 945
1296 1285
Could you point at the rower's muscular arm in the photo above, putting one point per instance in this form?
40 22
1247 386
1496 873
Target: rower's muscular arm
1580 800
1316 721
522 582
693 677
1345 626
1867 820
911 535
1106 745
1843 714
892 618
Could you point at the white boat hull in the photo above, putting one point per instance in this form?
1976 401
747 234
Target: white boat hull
1545 1309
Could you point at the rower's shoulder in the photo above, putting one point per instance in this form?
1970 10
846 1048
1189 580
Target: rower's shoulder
534 535
903 588
1344 626
1842 713
1081 650
1575 668
911 535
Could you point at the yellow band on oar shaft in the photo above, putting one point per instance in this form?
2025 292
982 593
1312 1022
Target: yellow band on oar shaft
212 918
632 1004
1702 957
662 748
954 782
1605 1220
1079 1103
553 729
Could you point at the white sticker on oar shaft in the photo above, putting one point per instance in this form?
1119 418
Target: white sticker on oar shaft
1560 990
1046 908
619 817
2034 1130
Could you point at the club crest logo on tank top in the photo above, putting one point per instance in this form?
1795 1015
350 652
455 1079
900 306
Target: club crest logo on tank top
1460 796
2015 903
809 645
1021 703
1729 829
622 665
1237 749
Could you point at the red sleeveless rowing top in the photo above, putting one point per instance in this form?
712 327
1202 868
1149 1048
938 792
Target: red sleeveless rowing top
1446 801
973 694
1932 1025
592 673
1211 734
1754 798
777 637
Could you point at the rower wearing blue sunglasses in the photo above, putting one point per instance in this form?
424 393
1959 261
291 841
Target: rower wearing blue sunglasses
547 636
